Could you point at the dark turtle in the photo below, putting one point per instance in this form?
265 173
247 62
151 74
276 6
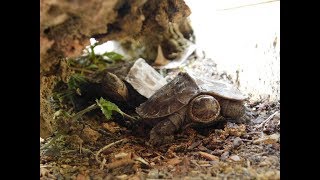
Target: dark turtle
187 100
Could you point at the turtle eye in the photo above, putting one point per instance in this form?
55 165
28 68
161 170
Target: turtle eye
204 109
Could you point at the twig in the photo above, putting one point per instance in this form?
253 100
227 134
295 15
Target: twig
103 163
267 120
82 112
129 117
106 147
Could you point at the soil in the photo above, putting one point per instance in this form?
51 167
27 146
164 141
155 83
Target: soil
100 149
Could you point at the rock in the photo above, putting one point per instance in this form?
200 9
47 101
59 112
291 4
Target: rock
258 120
225 155
144 78
67 26
235 158
237 142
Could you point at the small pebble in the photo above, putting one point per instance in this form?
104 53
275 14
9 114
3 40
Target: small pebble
258 120
237 142
235 158
225 155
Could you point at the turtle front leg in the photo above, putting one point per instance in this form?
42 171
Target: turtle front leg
163 132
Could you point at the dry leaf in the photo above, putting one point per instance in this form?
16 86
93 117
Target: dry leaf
235 158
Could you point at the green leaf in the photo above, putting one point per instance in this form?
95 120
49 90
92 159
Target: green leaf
108 107
113 56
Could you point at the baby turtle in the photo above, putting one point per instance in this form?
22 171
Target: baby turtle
187 100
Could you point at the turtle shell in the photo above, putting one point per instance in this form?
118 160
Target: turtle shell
219 89
176 94
170 98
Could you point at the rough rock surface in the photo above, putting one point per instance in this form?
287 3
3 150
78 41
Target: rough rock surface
66 26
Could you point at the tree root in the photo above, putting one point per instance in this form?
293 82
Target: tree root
102 163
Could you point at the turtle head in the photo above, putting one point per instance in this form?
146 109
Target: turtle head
204 109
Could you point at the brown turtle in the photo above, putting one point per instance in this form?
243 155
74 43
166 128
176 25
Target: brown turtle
187 100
